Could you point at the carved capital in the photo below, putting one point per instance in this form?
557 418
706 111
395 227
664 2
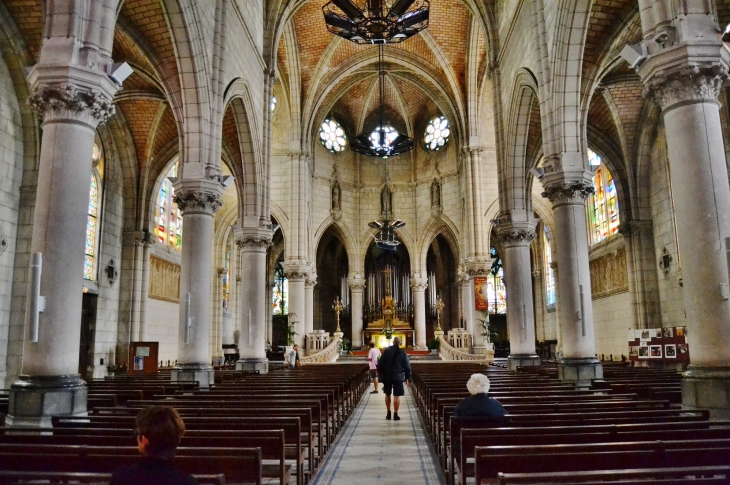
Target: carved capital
462 277
517 237
295 276
311 279
198 201
67 101
691 84
419 284
569 192
253 243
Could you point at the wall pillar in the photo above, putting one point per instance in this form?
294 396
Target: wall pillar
253 243
309 283
198 200
357 288
147 242
642 273
297 274
419 285
568 190
516 238
467 304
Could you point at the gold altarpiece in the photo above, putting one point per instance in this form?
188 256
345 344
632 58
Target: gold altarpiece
382 331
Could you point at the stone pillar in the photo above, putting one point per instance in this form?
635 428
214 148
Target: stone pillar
147 242
516 238
309 283
568 190
136 287
687 95
253 243
297 275
419 285
357 288
467 304
478 318
269 312
642 273
198 200
49 383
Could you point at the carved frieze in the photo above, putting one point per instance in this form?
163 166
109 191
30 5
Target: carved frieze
164 280
198 201
67 100
609 275
690 84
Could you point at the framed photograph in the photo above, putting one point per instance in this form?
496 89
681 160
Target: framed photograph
643 351
655 351
139 363
633 351
657 333
680 331
668 332
632 335
670 351
646 334
637 334
682 349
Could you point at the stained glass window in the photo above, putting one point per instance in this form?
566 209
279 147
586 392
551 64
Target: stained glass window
272 106
92 218
549 272
280 298
332 136
227 276
496 291
168 219
602 207
437 133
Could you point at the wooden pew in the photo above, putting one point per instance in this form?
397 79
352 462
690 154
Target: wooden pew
53 478
702 475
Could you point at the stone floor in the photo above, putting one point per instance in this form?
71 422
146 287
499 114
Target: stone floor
372 450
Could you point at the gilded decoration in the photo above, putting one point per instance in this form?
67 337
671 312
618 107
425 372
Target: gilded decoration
164 280
608 274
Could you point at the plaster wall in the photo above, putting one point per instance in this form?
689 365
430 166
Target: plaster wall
162 327
611 320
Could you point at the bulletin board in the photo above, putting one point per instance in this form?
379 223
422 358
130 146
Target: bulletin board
143 357
668 345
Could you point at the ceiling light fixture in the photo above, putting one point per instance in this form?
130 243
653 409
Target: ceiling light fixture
376 21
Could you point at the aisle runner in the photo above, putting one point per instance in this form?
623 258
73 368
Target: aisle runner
373 451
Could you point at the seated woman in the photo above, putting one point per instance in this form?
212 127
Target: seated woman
479 404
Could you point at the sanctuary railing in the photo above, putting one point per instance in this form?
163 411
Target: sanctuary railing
447 352
328 354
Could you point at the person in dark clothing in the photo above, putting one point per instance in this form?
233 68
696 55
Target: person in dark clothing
479 404
159 431
395 369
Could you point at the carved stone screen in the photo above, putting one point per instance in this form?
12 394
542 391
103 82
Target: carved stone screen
608 274
164 280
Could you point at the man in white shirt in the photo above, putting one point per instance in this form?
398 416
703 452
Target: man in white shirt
373 356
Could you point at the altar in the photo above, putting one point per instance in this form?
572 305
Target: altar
384 330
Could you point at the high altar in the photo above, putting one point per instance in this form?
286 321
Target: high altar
383 331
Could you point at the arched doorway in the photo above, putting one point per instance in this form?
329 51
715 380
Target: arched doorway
332 271
441 268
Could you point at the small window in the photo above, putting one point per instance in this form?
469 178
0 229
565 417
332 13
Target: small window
92 219
168 227
280 299
272 106
496 291
549 272
332 136
602 206
437 133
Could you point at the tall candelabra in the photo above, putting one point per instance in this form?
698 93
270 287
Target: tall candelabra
337 307
439 307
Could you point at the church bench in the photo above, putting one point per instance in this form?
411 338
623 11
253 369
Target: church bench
238 465
705 475
489 464
105 400
52 478
121 395
470 438
271 443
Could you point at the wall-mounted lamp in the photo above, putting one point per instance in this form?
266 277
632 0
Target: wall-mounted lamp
665 261
111 272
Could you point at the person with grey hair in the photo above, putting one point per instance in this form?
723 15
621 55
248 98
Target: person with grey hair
395 369
479 404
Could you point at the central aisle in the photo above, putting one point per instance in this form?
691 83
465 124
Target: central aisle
374 451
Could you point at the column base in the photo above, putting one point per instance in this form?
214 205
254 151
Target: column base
707 388
420 347
580 371
257 366
523 360
35 399
203 373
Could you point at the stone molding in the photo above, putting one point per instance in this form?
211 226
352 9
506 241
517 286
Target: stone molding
633 227
253 243
419 284
691 84
67 101
569 192
198 200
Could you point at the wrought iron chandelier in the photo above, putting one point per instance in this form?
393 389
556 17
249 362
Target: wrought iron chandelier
384 141
376 21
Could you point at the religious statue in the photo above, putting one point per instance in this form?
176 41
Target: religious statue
435 194
336 196
386 200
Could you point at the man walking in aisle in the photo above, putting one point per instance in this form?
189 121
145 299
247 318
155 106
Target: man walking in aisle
373 356
395 370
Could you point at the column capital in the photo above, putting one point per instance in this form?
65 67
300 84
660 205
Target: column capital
296 270
687 85
311 279
58 102
568 191
514 234
462 277
356 284
419 284
198 196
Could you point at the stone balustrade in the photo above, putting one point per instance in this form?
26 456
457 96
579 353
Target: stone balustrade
329 354
447 352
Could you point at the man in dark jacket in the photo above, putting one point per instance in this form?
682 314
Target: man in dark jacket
479 404
395 369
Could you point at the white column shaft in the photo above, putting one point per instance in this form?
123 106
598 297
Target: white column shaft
144 295
309 310
356 309
252 337
419 285
297 306
520 311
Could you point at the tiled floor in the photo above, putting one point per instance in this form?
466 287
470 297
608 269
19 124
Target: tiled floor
372 450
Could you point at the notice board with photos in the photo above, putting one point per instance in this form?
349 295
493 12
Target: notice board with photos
143 357
659 344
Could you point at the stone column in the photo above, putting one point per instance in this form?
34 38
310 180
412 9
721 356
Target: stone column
269 312
516 238
198 200
49 383
309 283
147 242
297 275
467 304
568 190
478 318
642 273
253 243
687 95
419 285
136 286
357 287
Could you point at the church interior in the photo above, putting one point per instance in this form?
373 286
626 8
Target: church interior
533 188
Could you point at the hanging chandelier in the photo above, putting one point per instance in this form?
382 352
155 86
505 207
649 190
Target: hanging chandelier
376 21
384 141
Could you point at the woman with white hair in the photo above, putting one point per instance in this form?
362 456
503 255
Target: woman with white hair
479 404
